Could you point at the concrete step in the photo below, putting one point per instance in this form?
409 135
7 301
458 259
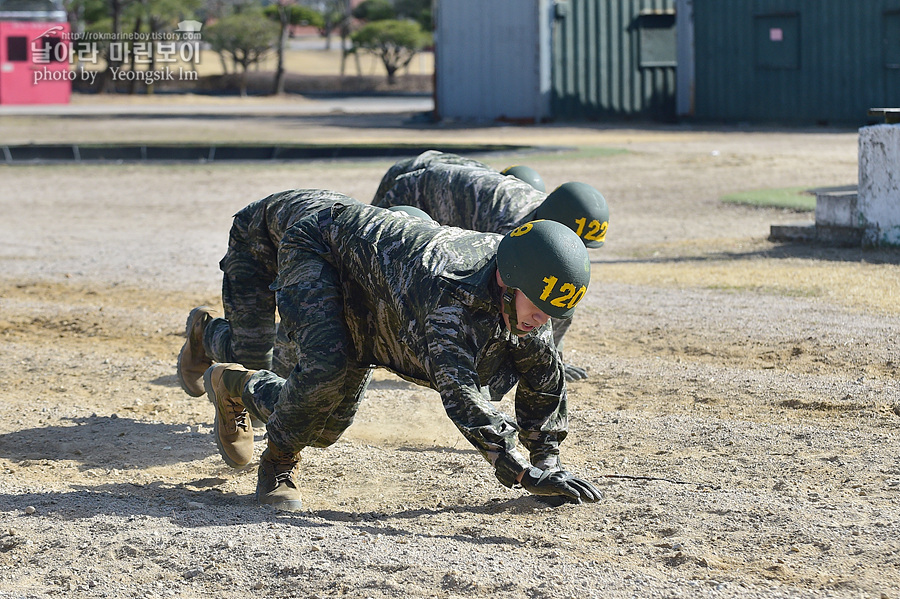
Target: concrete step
816 233
797 232
837 207
836 224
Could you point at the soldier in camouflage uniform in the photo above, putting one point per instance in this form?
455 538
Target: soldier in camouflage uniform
247 333
421 161
471 195
429 157
451 309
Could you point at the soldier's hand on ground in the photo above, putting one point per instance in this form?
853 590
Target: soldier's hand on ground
561 483
574 373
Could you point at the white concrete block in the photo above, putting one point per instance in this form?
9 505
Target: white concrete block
879 184
837 209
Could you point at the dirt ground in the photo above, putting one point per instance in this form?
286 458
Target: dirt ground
741 415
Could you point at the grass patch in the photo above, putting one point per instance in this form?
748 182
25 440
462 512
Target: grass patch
790 198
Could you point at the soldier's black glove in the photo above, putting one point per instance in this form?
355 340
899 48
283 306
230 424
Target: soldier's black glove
574 373
559 482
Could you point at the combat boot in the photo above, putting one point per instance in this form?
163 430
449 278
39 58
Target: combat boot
277 482
192 360
234 433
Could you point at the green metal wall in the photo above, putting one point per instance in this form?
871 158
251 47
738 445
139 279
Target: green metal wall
613 59
795 61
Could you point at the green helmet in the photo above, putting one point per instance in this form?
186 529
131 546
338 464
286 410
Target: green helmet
581 208
412 211
547 262
527 174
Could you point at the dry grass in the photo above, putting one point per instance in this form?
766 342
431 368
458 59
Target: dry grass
862 280
864 287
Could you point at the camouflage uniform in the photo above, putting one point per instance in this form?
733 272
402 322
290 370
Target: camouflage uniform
247 333
467 195
421 161
359 287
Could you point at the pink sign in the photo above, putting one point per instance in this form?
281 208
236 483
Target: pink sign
34 63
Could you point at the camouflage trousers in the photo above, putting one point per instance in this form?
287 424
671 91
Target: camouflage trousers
248 333
317 401
560 326
218 342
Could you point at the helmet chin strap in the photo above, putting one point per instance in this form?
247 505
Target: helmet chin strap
509 308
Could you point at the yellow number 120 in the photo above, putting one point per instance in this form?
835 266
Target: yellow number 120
570 294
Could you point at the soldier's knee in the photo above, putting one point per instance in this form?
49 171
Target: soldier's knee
324 441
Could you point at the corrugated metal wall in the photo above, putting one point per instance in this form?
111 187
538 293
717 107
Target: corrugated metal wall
492 59
795 61
611 59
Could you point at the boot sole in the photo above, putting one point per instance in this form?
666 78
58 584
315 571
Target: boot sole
184 386
207 383
291 505
181 381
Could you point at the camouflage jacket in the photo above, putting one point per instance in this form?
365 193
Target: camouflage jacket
422 301
470 197
262 223
421 161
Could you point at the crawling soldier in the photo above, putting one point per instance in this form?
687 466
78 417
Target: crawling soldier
462 312
465 193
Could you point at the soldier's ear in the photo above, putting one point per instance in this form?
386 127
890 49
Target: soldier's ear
500 280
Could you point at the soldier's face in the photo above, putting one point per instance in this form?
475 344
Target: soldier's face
530 317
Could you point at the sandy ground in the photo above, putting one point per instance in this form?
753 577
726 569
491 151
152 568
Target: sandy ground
741 415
